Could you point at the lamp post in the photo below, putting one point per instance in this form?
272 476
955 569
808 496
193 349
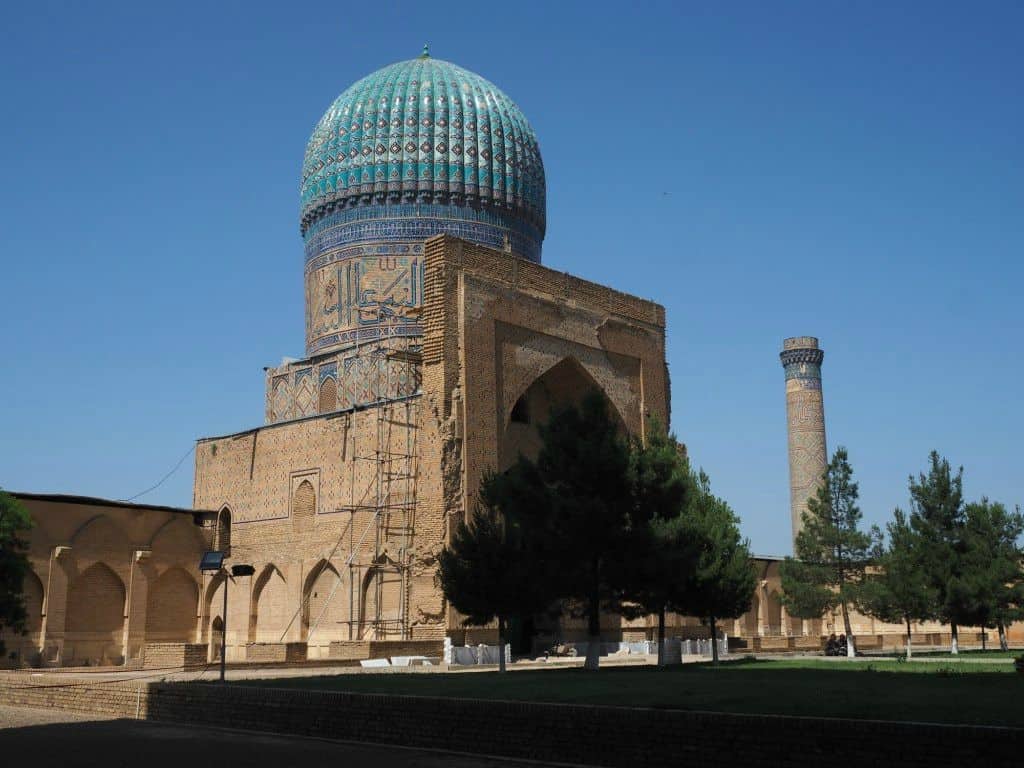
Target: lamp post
213 562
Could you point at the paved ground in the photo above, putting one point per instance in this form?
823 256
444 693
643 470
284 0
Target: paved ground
50 737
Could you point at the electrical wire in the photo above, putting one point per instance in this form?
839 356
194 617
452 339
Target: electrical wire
164 478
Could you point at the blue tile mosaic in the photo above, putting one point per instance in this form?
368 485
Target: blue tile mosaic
418 148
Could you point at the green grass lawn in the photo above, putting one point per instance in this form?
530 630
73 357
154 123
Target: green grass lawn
995 654
985 694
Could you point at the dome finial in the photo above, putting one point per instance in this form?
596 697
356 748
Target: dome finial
426 51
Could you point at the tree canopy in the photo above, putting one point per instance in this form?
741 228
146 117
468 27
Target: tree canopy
488 571
659 573
937 516
832 553
724 580
898 590
15 522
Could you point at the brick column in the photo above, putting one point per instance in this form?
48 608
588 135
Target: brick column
139 575
55 597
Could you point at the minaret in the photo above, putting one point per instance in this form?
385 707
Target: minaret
805 419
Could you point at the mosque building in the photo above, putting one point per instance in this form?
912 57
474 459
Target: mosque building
436 340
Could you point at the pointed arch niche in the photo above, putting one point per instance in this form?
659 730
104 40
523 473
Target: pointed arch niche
324 605
564 384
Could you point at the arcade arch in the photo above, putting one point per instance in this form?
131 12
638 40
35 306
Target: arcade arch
95 617
270 612
323 609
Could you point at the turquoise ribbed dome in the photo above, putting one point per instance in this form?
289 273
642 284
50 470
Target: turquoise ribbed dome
428 133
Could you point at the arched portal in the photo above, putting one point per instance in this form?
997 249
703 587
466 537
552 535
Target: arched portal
751 622
773 614
380 604
216 638
171 608
323 606
95 617
270 607
213 605
564 384
32 593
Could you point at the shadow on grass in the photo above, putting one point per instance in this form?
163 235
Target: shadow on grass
875 689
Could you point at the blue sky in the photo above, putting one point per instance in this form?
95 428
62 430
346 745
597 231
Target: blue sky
846 170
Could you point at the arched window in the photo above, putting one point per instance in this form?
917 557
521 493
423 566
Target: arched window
223 542
328 395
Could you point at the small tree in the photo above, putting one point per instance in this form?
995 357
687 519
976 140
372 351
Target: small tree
991 575
898 591
724 581
937 517
832 553
487 572
657 576
577 502
14 565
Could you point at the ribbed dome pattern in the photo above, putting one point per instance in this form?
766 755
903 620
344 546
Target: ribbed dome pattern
424 131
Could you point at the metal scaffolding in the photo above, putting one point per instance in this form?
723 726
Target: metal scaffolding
391 491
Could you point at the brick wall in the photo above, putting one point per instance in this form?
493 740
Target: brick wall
169 655
607 736
351 650
384 649
275 652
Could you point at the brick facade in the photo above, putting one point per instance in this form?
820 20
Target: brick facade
303 494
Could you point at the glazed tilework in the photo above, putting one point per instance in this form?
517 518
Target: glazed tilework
359 376
349 295
416 149
809 373
423 130
422 220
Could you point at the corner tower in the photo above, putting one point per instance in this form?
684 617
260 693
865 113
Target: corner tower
805 420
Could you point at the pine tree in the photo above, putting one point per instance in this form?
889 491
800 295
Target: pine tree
578 503
14 565
898 591
488 572
724 580
664 555
991 573
937 517
832 553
